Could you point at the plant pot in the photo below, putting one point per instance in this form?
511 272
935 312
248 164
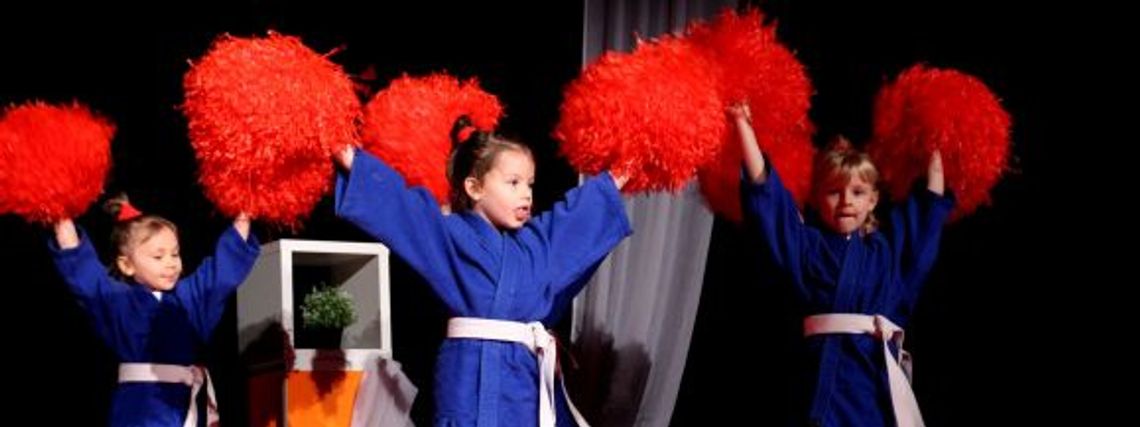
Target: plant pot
324 338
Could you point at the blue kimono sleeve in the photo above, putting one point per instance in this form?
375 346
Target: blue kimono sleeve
915 230
578 233
774 216
204 293
100 295
376 199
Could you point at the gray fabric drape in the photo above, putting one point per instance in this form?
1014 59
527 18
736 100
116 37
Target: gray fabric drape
633 323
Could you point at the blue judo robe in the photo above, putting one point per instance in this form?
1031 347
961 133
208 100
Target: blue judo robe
878 273
526 275
141 328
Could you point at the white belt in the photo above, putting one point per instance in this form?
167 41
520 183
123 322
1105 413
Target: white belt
902 397
193 376
534 336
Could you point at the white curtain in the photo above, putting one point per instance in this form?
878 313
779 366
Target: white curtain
632 325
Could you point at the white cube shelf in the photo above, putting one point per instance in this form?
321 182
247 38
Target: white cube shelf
268 301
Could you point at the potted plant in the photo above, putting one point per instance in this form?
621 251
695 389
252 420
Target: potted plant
325 313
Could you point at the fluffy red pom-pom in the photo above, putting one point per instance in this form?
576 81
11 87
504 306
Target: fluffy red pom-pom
792 157
653 116
755 68
927 109
408 125
265 114
53 160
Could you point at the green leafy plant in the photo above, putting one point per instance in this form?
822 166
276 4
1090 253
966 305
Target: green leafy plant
327 308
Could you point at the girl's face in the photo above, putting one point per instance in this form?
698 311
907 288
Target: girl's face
845 202
154 262
503 196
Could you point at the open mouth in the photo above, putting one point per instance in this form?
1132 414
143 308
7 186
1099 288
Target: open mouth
522 213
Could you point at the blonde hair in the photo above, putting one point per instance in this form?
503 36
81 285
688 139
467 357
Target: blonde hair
841 161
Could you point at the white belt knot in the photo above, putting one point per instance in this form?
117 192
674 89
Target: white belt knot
536 339
898 370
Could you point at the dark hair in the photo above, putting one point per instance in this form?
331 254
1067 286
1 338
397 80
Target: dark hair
473 157
128 233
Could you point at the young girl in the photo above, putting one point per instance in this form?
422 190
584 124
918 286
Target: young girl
856 284
502 274
155 322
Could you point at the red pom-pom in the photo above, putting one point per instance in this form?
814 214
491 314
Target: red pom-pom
265 114
755 68
927 109
53 160
792 157
653 116
408 125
